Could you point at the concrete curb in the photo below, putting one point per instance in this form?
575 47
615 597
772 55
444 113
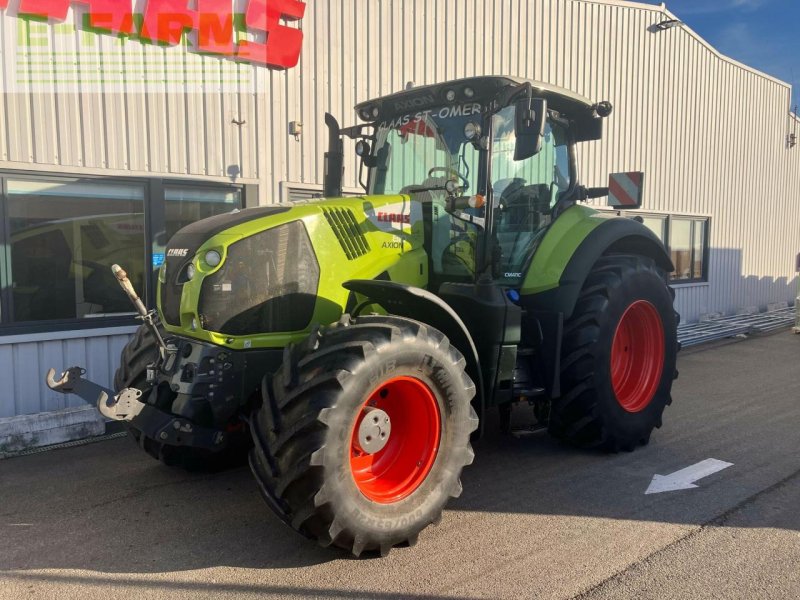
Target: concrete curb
44 429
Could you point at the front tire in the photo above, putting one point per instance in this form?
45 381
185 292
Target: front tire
618 357
313 455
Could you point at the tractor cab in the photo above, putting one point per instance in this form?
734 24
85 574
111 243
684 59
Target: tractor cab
490 159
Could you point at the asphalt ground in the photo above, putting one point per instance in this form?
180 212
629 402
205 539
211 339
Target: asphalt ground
536 519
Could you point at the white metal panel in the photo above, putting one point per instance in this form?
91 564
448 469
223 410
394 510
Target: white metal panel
23 367
94 126
8 406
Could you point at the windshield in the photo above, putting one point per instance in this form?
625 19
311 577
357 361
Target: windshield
425 149
524 192
418 153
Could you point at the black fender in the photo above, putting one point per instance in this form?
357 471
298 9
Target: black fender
421 305
614 236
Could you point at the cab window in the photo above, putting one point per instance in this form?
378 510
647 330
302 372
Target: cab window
524 192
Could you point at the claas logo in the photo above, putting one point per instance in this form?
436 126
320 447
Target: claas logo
166 21
394 217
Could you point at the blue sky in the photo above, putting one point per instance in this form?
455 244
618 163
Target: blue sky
764 34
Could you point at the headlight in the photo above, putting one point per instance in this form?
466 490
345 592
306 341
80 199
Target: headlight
190 272
472 131
362 148
213 258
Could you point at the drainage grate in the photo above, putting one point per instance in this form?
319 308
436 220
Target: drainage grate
72 444
347 231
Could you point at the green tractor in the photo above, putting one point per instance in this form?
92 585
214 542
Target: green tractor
359 341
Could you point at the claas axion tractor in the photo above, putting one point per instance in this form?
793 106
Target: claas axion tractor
354 344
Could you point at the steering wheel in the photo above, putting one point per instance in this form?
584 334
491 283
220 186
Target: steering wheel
451 173
511 188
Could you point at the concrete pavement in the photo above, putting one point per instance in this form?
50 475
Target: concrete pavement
536 519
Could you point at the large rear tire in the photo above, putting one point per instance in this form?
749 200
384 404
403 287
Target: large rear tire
139 352
333 398
618 357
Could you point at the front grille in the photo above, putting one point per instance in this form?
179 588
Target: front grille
268 283
347 231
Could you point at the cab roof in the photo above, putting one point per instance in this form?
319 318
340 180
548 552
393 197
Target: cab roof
580 111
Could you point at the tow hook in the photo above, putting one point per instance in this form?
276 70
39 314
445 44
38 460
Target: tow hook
117 407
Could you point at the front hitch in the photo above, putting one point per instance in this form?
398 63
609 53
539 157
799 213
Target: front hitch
125 405
117 407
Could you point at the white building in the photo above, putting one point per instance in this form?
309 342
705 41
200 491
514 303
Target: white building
109 145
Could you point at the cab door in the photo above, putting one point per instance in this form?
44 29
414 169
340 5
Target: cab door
524 194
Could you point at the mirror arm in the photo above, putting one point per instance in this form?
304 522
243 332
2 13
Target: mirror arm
585 193
356 131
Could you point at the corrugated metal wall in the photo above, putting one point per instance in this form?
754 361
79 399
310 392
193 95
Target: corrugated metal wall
23 364
114 122
709 133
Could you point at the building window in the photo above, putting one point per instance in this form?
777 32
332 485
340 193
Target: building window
63 239
61 234
187 204
687 248
686 239
657 224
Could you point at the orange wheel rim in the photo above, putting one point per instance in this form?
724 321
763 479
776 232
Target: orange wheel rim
637 356
394 472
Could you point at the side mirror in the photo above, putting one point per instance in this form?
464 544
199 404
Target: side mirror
625 190
529 121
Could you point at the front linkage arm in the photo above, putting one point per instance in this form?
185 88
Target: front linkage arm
127 404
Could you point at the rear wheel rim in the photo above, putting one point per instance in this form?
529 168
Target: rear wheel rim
637 356
396 471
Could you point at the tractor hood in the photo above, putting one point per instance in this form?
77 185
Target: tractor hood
261 277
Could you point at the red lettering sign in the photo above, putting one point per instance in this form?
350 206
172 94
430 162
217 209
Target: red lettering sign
167 20
215 28
282 48
49 9
109 15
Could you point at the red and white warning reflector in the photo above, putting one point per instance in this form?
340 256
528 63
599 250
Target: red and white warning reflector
625 189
